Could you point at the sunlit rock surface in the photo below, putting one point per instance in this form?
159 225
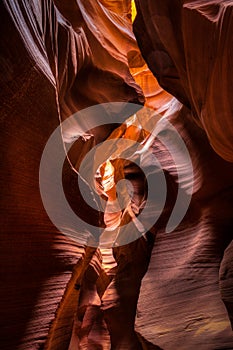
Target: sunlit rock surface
49 70
58 57
188 46
180 305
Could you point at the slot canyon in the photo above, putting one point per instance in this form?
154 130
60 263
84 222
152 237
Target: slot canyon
116 174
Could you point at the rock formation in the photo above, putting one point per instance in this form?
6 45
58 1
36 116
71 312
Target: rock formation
48 71
187 45
165 290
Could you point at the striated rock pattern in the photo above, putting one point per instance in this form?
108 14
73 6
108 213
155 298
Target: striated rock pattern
49 70
164 290
180 304
188 46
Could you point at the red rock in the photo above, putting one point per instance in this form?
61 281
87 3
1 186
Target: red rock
47 66
164 290
187 45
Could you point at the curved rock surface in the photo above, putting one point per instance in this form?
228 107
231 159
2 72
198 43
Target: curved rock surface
49 70
188 46
164 290
179 303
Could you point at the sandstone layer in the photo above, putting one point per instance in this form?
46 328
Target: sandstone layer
165 290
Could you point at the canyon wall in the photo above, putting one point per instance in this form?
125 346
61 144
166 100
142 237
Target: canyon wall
166 290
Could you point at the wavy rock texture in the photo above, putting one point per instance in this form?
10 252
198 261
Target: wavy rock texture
187 62
49 69
179 303
190 63
57 58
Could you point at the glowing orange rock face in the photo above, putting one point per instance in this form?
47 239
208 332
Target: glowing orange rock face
112 171
189 63
186 45
57 294
53 63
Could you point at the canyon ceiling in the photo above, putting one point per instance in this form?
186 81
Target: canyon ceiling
163 289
